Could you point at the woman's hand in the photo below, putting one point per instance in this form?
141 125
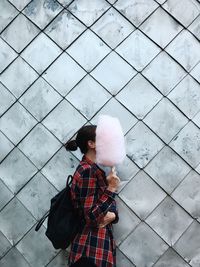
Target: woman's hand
108 218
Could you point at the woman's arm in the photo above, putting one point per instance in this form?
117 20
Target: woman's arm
94 209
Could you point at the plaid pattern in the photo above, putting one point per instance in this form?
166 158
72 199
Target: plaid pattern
89 191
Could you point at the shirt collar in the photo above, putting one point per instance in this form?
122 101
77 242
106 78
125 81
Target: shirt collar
92 163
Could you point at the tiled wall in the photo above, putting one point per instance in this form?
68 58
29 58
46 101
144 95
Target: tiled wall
62 63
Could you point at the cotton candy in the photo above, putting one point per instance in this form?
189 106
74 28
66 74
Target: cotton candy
110 145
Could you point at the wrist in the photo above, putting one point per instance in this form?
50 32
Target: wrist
112 189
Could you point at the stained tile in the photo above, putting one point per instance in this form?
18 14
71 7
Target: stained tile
6 146
187 194
36 195
8 12
143 144
196 72
169 120
113 73
164 73
88 50
122 260
187 144
88 11
139 96
186 96
16 170
7 55
170 258
16 123
61 165
112 27
122 230
88 88
40 99
41 12
161 33
4 245
138 50
185 48
196 119
136 10
188 245
41 53
10 77
115 109
65 2
169 174
5 197
138 191
185 11
6 99
20 33
39 243
39 145
13 258
64 29
64 74
147 245
169 220
14 214
61 259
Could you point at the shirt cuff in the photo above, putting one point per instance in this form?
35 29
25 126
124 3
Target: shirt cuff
110 193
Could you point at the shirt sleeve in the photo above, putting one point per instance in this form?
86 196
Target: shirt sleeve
94 208
113 208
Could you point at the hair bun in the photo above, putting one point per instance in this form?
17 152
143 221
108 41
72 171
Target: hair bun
71 145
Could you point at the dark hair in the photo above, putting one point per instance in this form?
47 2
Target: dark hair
84 134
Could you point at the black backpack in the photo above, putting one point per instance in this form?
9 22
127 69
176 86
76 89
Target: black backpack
63 221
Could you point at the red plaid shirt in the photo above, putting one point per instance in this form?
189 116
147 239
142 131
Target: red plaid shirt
89 193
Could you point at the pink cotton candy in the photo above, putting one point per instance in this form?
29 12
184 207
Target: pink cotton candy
110 145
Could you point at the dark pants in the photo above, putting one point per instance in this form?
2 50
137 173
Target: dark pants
83 262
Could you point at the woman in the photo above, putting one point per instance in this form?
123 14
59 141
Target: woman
94 194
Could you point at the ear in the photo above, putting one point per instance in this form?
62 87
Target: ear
91 144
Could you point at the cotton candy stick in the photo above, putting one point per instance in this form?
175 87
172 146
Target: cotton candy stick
110 144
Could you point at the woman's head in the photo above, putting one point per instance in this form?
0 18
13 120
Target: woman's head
85 139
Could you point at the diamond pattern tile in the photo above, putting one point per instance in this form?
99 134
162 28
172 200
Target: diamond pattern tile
40 99
88 11
7 55
79 98
147 245
164 73
138 191
62 64
8 12
6 99
91 50
20 33
169 174
139 96
185 11
185 49
142 147
40 53
152 24
64 74
113 27
188 245
169 121
187 194
138 50
64 29
16 170
169 220
186 96
136 10
113 73
10 77
187 144
41 12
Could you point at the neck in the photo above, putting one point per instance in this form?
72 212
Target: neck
91 154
